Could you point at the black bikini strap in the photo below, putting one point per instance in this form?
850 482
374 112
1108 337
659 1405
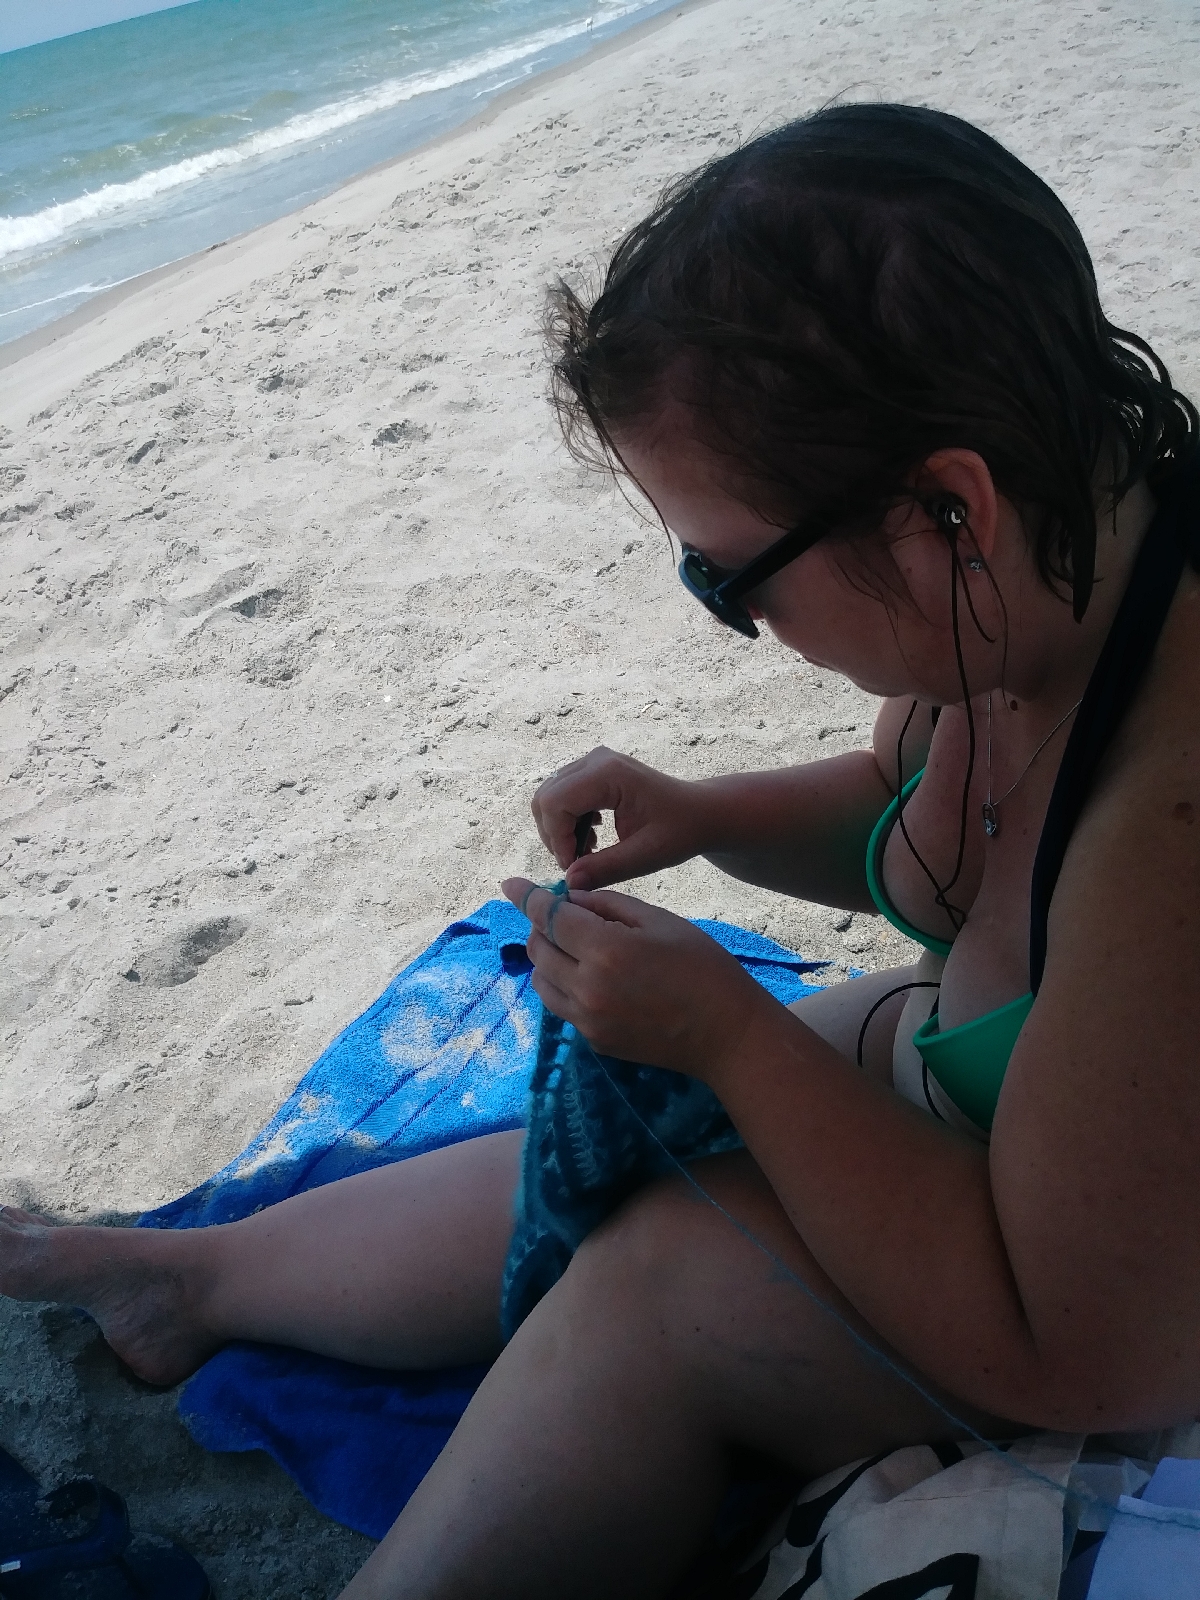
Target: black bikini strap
1172 538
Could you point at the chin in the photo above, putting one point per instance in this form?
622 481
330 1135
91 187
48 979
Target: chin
888 688
884 689
861 676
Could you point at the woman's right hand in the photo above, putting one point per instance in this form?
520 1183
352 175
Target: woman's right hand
660 821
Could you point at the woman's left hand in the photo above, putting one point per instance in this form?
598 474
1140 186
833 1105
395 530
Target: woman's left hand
638 982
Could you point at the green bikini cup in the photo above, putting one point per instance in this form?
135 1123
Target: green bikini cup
968 1062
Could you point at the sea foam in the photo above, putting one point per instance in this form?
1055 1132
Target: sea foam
21 234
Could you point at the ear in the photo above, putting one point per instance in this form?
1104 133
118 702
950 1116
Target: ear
964 474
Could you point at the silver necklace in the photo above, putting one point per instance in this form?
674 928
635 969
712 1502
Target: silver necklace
991 822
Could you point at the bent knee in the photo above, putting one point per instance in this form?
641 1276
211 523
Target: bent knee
639 1252
670 1236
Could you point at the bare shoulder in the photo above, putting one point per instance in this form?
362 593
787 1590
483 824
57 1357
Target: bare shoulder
1096 1137
1129 891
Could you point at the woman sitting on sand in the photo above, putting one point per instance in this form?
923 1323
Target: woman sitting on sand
860 369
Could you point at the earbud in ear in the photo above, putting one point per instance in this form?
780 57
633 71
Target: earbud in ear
950 515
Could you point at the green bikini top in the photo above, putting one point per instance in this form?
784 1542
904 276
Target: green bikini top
968 1062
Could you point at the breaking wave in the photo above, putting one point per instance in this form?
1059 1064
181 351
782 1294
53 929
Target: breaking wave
19 234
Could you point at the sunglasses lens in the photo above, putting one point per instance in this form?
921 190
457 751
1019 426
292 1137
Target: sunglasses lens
698 575
734 615
704 581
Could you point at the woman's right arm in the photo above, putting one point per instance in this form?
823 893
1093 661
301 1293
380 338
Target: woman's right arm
802 831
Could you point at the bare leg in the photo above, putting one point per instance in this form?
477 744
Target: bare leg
399 1267
591 1460
396 1267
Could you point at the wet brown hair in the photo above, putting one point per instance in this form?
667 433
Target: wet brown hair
839 299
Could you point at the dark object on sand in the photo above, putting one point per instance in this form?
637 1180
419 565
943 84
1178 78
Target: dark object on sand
75 1544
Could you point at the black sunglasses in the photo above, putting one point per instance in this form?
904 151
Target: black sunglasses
723 591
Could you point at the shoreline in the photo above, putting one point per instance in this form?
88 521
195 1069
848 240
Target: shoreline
100 305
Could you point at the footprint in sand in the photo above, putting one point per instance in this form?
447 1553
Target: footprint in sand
258 605
178 959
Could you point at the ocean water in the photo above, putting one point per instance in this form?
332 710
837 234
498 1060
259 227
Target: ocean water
130 146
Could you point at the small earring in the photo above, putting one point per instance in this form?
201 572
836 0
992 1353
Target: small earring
976 563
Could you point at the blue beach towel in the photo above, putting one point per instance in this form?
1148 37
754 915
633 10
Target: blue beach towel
446 1053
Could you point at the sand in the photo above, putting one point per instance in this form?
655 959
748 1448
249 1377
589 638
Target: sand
301 598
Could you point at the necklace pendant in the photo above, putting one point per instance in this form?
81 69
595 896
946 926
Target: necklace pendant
991 823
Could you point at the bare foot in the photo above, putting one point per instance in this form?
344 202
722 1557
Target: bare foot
142 1285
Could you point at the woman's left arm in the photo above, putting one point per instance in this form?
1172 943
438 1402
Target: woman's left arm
1053 1278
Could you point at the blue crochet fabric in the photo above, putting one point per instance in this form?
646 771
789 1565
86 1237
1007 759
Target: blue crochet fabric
446 1053
599 1129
